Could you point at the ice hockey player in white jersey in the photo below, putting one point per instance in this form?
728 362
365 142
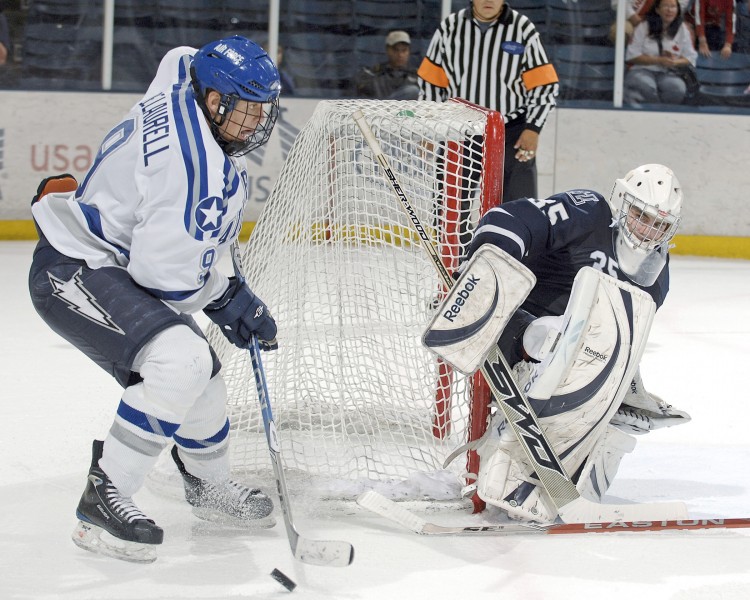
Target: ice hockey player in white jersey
128 254
626 237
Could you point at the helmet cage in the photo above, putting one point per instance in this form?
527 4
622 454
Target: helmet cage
644 225
227 111
641 239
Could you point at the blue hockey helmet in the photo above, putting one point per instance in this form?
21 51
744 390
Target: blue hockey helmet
237 69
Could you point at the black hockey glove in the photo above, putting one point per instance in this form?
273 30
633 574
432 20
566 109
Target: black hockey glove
240 315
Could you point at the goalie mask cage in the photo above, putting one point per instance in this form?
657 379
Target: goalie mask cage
357 399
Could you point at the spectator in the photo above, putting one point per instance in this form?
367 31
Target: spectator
287 83
392 80
661 46
689 10
714 26
632 18
4 38
491 55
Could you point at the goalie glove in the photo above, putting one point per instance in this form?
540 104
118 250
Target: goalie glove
240 315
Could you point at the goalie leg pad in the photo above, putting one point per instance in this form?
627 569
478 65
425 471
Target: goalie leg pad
473 315
603 463
505 479
575 391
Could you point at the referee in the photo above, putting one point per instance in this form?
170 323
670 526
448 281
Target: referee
491 55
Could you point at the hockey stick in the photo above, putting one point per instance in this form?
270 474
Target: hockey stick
329 553
571 506
398 514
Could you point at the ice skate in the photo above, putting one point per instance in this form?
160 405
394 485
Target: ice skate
111 524
227 503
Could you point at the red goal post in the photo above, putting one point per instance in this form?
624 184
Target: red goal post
491 194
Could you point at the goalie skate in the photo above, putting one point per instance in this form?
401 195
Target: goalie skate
226 503
641 411
111 524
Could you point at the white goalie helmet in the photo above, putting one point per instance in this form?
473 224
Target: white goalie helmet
646 205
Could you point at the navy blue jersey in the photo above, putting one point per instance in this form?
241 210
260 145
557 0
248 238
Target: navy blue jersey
554 238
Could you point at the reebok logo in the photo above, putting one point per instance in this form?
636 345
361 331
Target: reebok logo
461 297
595 354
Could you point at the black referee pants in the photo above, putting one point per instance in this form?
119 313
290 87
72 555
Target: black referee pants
519 178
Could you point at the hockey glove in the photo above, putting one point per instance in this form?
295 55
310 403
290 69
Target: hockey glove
54 185
240 315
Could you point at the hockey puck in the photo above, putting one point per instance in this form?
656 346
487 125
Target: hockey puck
283 580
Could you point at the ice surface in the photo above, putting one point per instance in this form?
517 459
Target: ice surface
54 402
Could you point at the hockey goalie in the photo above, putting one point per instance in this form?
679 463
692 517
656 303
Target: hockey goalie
577 280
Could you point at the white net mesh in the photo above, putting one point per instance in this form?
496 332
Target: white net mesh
356 398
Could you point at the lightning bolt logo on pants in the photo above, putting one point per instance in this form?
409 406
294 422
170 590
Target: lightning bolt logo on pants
82 301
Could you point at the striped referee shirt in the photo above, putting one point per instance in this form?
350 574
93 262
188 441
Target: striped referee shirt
504 67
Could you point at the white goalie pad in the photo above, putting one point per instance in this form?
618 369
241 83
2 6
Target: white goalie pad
473 315
575 391
605 329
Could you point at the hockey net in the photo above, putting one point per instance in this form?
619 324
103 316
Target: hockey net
357 400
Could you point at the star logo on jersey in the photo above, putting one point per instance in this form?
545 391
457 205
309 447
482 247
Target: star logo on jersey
82 301
209 213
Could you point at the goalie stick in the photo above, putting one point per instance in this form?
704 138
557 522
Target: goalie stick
570 505
329 553
389 509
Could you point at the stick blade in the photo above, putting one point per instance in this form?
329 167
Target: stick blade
384 507
324 553
582 510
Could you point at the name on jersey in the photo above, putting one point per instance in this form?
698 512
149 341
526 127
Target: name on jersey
155 126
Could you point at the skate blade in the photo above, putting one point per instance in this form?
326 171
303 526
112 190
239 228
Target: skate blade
220 518
97 540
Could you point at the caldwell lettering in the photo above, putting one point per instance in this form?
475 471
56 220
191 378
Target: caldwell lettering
461 297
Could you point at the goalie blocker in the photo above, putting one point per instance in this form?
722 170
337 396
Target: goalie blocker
586 371
473 315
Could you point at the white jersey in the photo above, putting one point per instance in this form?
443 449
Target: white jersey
161 198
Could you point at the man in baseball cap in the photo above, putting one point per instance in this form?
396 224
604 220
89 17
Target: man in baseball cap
395 79
397 37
